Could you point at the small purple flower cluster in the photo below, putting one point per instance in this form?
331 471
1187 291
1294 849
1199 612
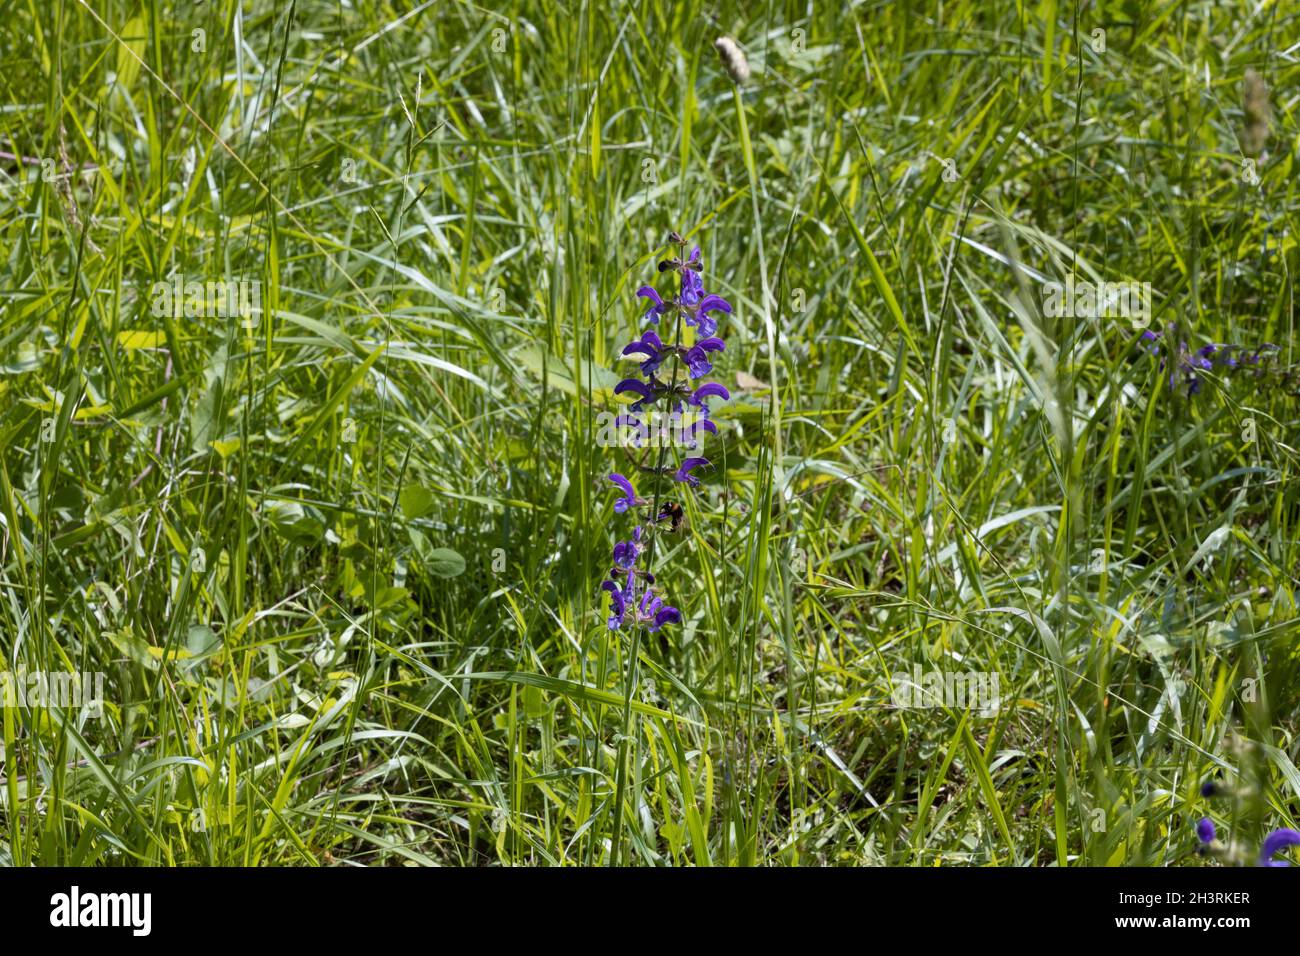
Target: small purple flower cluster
1274 843
1186 366
693 306
623 577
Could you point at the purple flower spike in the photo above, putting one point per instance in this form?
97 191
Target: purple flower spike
629 499
1205 830
1275 841
684 472
634 598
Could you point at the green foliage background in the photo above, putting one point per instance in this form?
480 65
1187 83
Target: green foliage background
339 564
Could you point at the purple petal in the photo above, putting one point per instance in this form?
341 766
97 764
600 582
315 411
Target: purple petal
617 606
708 391
668 615
711 344
697 362
625 554
684 472
633 385
690 430
692 290
629 496
711 302
657 309
650 604
1205 830
1275 841
649 292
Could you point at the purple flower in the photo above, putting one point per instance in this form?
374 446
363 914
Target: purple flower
629 499
704 422
655 613
1275 841
668 615
620 599
683 473
638 387
697 359
692 284
699 316
1187 366
707 391
650 346
1205 830
657 305
626 552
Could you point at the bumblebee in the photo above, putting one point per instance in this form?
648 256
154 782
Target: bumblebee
673 511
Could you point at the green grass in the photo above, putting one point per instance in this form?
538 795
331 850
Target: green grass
340 564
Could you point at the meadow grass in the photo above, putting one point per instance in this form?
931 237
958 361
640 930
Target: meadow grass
339 561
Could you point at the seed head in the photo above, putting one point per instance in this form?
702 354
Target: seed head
1258 113
733 59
